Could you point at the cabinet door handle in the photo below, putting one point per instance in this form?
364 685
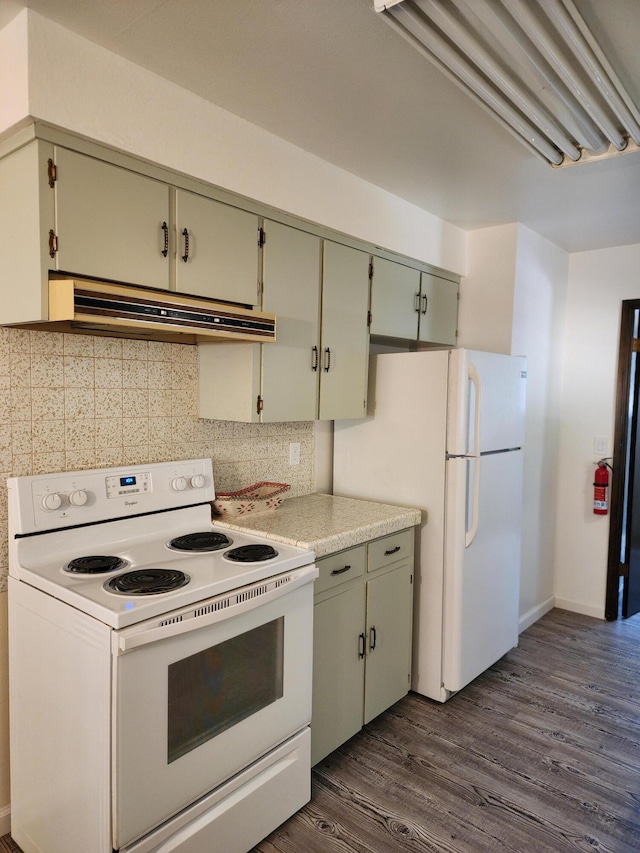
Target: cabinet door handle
392 551
372 638
185 234
425 301
53 243
416 303
327 360
165 250
341 571
314 358
362 645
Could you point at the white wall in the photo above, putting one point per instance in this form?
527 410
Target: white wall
512 301
598 282
14 95
485 316
538 320
79 86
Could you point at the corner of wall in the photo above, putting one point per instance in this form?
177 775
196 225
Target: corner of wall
14 73
486 293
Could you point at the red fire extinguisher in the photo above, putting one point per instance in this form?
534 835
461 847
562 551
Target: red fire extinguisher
601 489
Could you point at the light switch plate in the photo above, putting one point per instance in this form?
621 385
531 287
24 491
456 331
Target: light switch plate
600 445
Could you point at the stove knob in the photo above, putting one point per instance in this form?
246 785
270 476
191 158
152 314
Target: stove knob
51 502
179 484
197 481
78 498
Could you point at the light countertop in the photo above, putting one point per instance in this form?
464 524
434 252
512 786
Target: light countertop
324 523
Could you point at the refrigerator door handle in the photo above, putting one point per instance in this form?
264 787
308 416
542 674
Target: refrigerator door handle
474 377
471 532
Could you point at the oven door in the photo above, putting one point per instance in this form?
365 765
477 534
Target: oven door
204 694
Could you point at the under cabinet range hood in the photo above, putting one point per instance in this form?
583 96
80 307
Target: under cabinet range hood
94 307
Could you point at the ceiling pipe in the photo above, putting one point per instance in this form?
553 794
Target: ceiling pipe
485 62
447 59
522 12
582 49
561 97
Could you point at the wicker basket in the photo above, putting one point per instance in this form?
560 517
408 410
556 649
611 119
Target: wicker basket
256 498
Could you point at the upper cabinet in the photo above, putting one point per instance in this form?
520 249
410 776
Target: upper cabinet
291 286
74 209
110 223
413 305
317 368
438 321
217 249
63 211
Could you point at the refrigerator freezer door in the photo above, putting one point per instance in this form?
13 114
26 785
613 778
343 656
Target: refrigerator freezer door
481 592
495 384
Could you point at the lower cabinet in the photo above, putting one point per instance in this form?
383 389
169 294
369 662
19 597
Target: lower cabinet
361 637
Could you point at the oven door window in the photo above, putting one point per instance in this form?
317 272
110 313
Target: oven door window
212 690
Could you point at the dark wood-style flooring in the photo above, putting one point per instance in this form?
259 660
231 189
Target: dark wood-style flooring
540 754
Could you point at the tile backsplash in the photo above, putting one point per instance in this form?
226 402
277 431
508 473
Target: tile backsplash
70 402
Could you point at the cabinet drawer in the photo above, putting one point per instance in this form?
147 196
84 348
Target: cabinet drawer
390 549
339 568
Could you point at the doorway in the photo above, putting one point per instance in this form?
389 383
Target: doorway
623 571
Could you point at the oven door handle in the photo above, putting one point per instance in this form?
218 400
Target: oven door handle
212 610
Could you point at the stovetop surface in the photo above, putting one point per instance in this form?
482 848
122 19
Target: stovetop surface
38 556
143 542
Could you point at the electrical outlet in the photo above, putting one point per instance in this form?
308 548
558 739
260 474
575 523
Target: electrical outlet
294 453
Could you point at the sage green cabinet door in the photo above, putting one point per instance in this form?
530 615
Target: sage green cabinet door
344 333
220 248
438 310
291 291
395 299
26 217
338 671
389 614
109 222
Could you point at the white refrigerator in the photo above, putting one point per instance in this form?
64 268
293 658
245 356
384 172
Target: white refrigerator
445 433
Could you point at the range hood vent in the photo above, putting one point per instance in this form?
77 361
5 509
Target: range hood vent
83 306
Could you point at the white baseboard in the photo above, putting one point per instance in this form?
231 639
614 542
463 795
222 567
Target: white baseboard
580 607
531 616
5 821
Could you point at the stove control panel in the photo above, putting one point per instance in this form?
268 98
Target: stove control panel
129 484
49 501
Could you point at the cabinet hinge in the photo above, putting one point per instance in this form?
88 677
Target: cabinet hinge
260 404
52 172
53 243
262 237
369 318
370 270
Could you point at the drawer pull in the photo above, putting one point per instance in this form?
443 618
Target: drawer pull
392 551
362 640
340 571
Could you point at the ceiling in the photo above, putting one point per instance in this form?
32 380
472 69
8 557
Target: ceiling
333 78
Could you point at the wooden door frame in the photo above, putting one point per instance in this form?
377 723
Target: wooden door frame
620 447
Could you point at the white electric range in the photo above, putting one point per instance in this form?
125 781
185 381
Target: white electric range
175 659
